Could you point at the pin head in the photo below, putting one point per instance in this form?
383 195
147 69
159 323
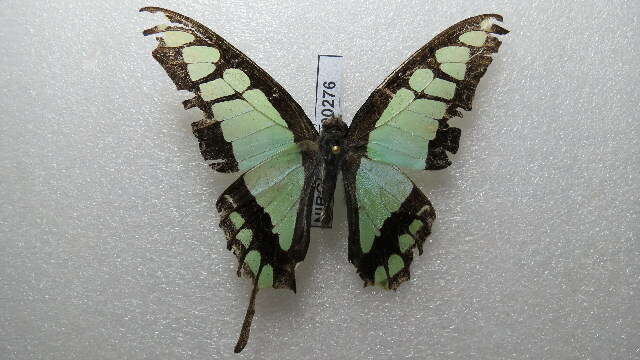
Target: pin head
335 149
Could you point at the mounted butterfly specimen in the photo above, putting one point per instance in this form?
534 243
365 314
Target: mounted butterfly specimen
252 126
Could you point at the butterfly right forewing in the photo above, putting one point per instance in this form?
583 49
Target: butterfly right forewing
405 120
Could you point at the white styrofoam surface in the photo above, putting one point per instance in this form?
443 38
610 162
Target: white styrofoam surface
110 244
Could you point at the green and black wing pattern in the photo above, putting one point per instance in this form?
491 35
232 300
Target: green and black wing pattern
403 124
250 124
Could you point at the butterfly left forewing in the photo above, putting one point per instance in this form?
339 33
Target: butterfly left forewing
247 116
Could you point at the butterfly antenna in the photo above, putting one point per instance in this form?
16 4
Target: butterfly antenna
248 318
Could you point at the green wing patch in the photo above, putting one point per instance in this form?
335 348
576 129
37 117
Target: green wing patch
404 121
388 218
248 116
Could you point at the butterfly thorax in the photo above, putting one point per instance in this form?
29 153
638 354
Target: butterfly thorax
331 140
332 152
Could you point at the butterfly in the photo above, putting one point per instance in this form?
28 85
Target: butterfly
253 127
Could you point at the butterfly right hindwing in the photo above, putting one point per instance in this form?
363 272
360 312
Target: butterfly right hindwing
388 217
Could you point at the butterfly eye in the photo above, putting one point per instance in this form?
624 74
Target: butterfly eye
335 149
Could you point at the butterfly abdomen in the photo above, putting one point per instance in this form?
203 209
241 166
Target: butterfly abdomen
332 151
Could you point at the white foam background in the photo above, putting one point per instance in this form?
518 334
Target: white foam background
110 244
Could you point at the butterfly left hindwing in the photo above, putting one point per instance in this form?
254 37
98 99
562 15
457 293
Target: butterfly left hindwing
271 195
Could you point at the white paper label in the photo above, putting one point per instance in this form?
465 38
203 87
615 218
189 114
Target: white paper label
328 88
328 103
